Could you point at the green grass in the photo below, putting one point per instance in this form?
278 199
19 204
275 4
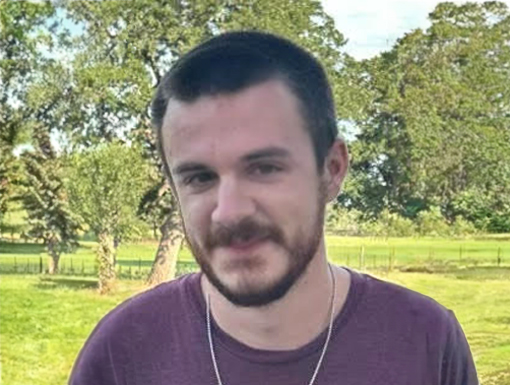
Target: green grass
422 250
46 320
343 250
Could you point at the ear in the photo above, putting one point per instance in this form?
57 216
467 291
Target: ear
336 165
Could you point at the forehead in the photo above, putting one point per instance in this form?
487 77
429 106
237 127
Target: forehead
226 127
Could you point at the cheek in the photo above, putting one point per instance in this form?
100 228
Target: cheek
295 209
195 214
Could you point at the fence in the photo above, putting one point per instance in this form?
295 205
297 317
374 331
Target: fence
125 269
427 261
140 268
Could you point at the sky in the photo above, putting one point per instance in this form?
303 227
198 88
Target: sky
373 26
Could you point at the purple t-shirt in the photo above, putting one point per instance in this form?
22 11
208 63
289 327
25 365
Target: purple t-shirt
384 335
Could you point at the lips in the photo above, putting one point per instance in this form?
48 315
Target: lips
244 246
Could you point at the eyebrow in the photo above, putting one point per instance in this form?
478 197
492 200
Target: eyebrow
268 152
188 167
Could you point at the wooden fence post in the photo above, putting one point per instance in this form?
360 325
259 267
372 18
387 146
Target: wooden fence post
499 256
40 265
362 258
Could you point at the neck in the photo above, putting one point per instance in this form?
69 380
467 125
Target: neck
274 326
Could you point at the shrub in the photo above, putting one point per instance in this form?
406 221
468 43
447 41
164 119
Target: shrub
461 227
342 221
432 223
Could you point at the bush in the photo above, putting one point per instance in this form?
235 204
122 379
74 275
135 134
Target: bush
432 223
461 227
342 221
390 225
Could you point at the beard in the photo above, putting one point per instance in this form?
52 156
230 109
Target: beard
299 251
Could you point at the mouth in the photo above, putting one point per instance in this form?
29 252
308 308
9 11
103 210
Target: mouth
245 246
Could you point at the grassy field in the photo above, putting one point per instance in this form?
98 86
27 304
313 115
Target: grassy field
351 251
45 320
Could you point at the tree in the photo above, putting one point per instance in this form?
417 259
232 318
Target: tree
105 186
20 24
45 199
127 47
438 125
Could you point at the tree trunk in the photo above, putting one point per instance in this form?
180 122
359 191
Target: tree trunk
105 257
53 264
165 262
116 243
54 258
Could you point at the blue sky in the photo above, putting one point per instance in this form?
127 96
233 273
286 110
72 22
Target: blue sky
372 26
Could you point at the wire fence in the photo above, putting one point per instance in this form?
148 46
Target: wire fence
140 268
125 269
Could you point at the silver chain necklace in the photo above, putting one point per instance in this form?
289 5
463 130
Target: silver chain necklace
324 348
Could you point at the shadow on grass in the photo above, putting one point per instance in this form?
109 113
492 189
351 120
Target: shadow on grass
475 273
498 320
500 377
482 273
134 262
21 248
83 245
50 283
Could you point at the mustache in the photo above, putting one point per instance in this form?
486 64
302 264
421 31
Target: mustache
245 230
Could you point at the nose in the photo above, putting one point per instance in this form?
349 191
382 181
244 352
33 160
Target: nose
232 203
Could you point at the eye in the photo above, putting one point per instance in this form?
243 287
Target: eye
200 179
265 169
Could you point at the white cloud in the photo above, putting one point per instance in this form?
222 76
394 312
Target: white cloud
372 26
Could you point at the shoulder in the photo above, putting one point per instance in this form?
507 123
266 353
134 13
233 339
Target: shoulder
404 320
402 307
149 305
130 328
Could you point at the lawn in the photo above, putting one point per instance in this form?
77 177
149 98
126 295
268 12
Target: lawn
355 252
45 321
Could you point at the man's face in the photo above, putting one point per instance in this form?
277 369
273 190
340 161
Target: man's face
251 198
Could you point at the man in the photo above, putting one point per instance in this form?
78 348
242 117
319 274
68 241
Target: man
247 130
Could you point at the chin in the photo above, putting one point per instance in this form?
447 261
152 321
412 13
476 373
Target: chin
251 288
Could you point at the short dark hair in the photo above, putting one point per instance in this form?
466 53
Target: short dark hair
233 61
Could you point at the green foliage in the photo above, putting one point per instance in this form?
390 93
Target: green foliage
20 33
461 228
105 186
45 199
489 212
432 222
438 124
341 221
428 223
394 225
